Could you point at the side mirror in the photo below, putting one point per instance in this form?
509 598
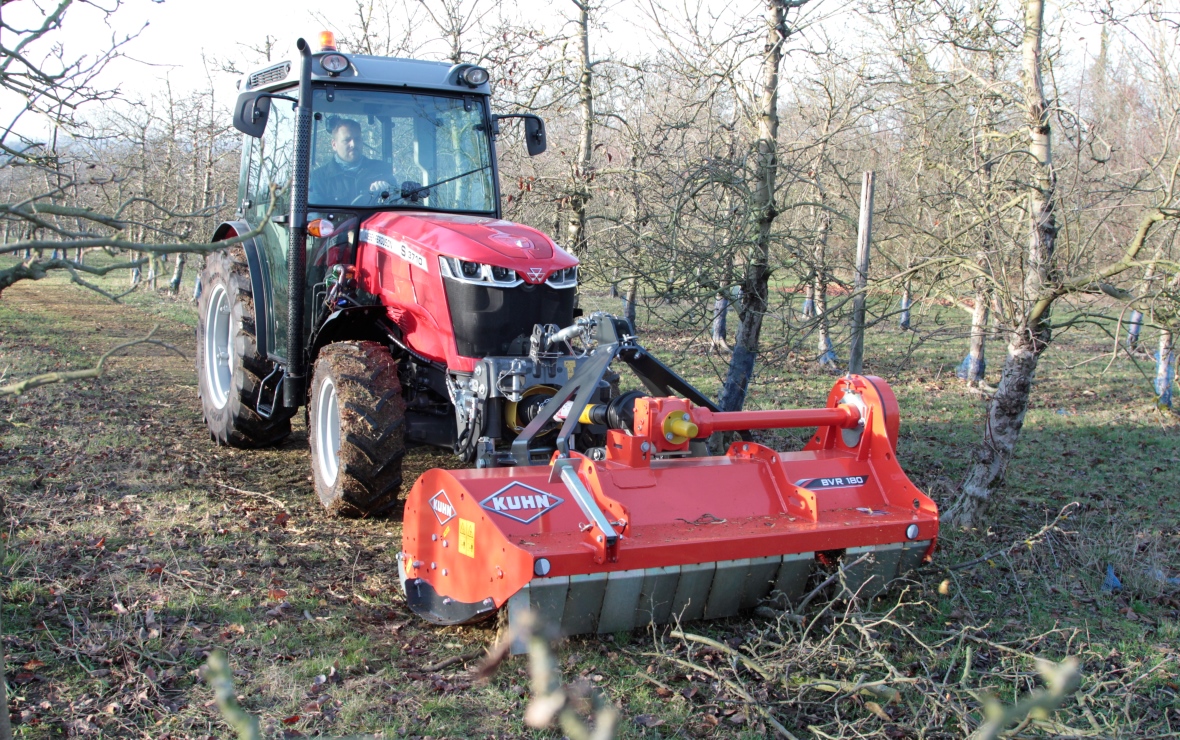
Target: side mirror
534 131
534 135
251 113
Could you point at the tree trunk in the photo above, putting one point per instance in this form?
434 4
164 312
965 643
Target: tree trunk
907 301
808 301
1165 364
755 286
177 274
1032 334
720 313
825 355
1005 417
975 364
5 721
629 301
576 230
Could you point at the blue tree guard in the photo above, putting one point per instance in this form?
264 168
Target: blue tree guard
808 308
971 369
1165 377
1133 329
904 321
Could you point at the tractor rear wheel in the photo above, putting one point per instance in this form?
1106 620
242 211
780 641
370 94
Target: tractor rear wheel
230 367
356 427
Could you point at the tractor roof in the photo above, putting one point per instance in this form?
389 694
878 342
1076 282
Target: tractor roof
367 70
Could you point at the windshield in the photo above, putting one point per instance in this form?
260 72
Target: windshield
380 148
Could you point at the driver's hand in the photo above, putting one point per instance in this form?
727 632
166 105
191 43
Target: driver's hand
380 186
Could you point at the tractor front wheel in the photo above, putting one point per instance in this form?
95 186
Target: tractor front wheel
230 365
356 427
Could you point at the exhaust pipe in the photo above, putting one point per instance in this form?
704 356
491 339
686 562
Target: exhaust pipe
295 382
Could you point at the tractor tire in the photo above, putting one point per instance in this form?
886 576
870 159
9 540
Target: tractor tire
357 427
230 367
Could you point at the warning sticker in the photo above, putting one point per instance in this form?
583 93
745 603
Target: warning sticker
847 481
466 538
401 249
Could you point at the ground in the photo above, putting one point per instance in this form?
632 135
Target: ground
135 547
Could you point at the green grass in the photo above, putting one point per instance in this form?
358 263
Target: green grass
114 508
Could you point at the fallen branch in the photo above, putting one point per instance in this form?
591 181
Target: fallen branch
745 659
244 492
1029 541
28 384
1063 679
448 662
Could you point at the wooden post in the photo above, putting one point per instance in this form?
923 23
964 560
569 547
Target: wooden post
864 239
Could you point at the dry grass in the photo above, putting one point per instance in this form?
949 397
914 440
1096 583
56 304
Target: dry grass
130 558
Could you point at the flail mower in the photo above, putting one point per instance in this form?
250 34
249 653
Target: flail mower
386 276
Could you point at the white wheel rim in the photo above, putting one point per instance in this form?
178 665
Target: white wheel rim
218 367
327 426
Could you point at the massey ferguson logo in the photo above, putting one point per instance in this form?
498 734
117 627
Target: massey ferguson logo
536 274
443 509
520 502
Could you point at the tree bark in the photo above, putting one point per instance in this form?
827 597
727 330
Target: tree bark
629 301
755 286
825 355
1164 370
719 330
1032 334
975 352
583 174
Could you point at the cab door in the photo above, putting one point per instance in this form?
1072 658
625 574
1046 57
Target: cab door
271 162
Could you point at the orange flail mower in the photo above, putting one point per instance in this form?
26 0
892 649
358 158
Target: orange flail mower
648 529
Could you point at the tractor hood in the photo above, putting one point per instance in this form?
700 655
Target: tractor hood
490 241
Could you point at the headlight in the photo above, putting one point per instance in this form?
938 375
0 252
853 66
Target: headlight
567 278
474 76
334 63
478 273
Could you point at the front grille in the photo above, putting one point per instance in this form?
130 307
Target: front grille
268 75
499 321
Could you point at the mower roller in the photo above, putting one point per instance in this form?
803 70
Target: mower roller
645 531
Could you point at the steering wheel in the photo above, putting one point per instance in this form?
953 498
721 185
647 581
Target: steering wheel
371 197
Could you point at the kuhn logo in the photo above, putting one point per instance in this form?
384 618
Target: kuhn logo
443 508
520 502
536 274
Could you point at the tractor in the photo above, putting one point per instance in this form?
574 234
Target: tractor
378 288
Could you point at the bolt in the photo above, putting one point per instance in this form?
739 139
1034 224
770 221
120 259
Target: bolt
433 566
444 571
669 435
445 544
645 446
433 537
911 532
600 538
416 564
686 417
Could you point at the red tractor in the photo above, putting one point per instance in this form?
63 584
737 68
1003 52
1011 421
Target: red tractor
381 289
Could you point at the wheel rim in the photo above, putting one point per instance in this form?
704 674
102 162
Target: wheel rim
327 426
218 367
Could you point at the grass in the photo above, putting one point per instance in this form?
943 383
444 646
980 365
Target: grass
129 559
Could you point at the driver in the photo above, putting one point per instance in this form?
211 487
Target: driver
349 173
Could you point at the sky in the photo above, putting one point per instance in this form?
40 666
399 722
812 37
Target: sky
174 35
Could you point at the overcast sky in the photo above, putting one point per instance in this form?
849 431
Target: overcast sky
174 34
